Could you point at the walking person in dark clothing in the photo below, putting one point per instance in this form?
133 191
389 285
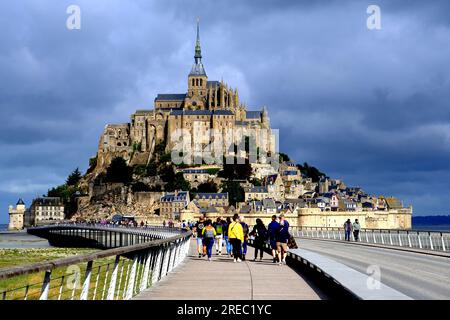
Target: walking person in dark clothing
260 233
273 228
282 238
209 233
348 228
246 230
198 229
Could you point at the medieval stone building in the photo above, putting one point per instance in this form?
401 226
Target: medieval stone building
205 106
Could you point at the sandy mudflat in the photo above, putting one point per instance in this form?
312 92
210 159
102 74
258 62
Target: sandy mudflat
21 240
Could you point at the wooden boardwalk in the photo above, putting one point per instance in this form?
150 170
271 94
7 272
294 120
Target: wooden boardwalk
222 279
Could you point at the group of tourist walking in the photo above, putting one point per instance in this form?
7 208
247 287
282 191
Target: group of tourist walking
350 227
233 235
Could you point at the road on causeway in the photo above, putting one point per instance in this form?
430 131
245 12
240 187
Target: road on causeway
419 276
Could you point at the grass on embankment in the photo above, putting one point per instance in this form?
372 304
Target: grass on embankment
101 274
16 257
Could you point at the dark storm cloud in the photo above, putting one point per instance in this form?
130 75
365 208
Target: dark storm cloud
371 107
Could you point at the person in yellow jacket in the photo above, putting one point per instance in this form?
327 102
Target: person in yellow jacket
209 234
236 237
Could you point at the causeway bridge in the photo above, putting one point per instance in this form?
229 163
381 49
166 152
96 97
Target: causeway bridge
161 263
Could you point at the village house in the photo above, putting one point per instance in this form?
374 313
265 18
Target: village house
45 210
197 176
205 200
275 187
172 204
256 193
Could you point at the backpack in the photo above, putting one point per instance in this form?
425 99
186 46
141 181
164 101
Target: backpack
209 233
245 228
292 244
264 234
219 228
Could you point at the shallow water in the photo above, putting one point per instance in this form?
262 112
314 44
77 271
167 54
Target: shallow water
21 240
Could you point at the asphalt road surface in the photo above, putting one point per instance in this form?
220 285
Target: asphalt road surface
419 276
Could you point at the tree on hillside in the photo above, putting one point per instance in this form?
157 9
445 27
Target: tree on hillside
236 171
140 187
119 172
178 183
167 173
235 192
207 187
74 178
284 157
311 172
256 182
160 149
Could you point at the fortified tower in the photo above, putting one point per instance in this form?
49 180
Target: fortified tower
16 216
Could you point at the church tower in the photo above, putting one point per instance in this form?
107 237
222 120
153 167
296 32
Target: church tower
197 78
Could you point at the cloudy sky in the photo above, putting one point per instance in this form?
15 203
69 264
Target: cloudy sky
368 106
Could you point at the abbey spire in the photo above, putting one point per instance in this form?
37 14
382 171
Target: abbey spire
197 68
198 48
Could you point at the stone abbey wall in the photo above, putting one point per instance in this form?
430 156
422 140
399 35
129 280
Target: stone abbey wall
391 219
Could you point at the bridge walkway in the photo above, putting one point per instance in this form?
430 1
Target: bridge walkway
222 279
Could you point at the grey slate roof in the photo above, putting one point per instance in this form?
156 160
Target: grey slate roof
195 171
268 203
48 201
198 70
142 111
171 97
212 83
223 113
190 112
246 209
253 114
179 112
259 189
223 195
170 197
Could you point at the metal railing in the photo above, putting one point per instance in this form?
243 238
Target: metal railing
417 239
114 274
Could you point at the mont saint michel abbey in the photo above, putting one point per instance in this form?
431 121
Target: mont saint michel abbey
207 104
214 109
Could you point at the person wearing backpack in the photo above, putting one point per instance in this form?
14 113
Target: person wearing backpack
246 230
199 226
236 237
218 225
209 233
260 233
